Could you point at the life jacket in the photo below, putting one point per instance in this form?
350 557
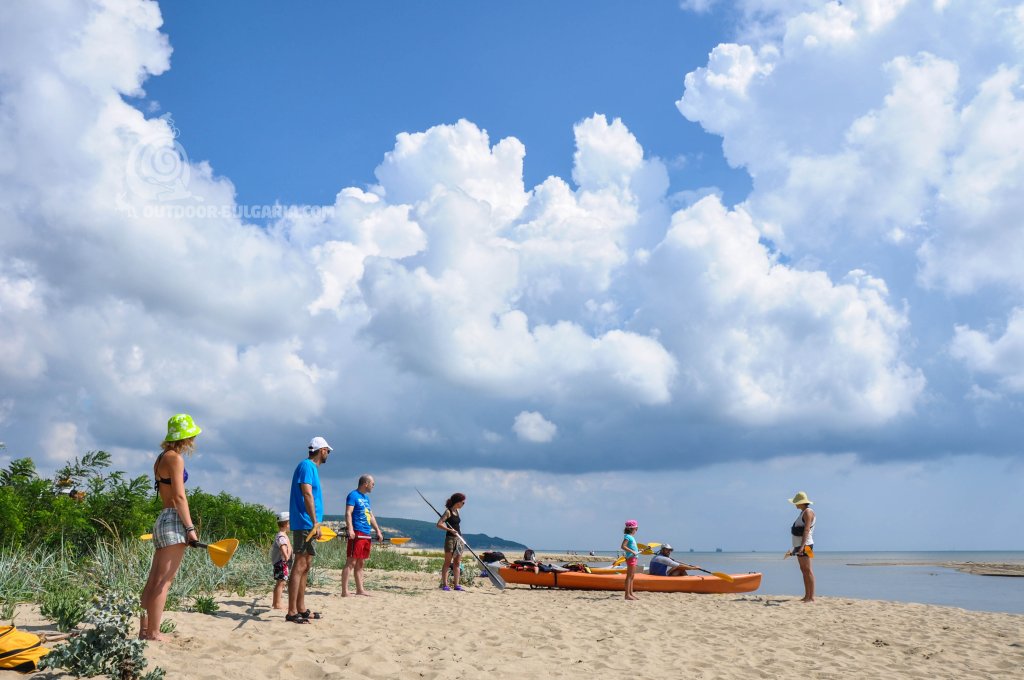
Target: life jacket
578 566
20 651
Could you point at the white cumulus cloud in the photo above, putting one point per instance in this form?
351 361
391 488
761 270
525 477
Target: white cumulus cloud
1001 358
532 427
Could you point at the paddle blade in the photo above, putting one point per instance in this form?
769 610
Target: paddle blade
400 541
496 580
326 534
146 537
809 551
221 552
618 560
724 577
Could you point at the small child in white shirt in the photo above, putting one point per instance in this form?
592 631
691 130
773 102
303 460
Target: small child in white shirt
280 557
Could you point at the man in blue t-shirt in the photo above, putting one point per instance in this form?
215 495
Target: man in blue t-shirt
306 507
358 521
663 565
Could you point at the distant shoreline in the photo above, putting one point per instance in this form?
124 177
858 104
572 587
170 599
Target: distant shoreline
978 568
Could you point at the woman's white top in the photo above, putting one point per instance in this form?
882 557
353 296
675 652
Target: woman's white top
799 523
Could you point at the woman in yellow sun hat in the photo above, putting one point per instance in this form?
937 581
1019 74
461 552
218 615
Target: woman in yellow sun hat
803 541
173 530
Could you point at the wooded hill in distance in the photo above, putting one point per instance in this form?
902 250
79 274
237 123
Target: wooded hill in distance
427 535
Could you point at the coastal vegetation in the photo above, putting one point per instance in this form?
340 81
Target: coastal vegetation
68 539
84 503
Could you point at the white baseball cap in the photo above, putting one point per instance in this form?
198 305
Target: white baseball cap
666 547
282 517
317 443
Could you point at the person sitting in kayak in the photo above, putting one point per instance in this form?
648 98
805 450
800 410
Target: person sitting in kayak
662 564
529 562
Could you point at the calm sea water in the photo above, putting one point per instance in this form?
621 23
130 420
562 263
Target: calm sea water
837 577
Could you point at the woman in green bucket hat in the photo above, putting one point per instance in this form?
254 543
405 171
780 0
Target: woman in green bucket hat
173 530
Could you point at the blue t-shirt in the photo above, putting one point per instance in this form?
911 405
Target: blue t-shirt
631 542
360 503
306 473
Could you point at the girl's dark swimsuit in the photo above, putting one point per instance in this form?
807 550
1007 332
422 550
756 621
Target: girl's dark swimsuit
166 480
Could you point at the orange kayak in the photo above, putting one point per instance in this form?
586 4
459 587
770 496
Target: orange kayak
575 580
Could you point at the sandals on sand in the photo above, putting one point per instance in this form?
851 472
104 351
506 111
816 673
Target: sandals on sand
295 618
310 615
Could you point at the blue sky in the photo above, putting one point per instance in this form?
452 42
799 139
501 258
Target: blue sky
322 89
583 261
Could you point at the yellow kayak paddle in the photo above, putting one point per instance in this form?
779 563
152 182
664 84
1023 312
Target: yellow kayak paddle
808 551
648 549
326 534
220 552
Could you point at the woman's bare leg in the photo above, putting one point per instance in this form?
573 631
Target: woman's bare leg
444 569
154 596
808 573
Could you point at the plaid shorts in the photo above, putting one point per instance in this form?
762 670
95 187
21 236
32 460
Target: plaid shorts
169 529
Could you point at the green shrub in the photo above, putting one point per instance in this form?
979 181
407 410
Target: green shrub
109 647
168 626
204 604
66 605
84 503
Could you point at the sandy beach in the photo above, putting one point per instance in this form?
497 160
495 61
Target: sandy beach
410 629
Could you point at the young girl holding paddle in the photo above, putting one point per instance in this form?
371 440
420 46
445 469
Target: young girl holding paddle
629 547
173 530
451 522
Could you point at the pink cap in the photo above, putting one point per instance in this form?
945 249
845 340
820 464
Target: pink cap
632 524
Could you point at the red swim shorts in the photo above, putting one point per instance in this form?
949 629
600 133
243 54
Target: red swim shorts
631 561
359 547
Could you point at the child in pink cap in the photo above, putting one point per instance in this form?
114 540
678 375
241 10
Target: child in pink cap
632 551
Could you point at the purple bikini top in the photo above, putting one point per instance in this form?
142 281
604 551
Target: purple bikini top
167 480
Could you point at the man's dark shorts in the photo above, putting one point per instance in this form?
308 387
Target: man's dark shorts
302 546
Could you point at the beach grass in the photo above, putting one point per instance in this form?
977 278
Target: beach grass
63 581
60 580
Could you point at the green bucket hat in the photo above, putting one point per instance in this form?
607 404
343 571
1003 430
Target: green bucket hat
180 427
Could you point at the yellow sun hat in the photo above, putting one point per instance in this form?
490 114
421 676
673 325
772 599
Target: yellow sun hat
800 498
181 426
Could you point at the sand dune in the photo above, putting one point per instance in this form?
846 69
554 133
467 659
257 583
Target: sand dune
410 629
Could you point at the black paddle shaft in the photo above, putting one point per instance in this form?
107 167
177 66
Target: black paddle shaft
498 582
